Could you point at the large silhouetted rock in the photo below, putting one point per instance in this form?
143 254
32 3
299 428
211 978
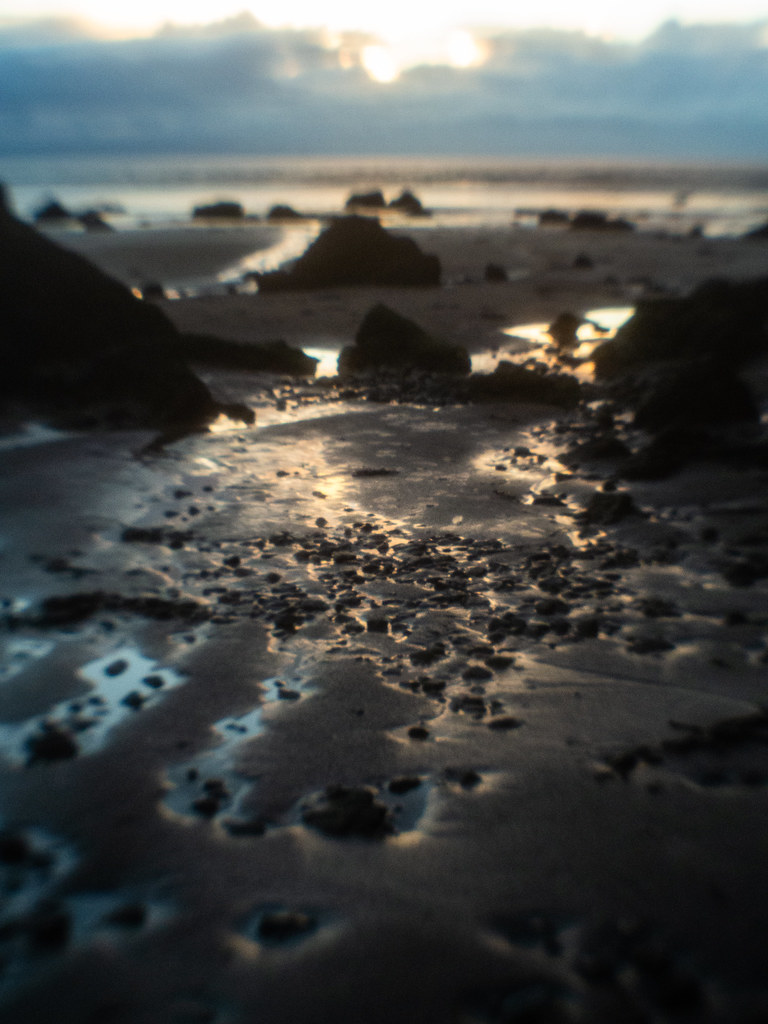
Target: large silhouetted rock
719 320
703 394
77 345
385 339
356 251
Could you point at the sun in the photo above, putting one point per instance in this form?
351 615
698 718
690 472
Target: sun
380 63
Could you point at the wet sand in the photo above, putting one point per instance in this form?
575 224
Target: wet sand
369 722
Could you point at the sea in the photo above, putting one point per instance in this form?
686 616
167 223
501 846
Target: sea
162 190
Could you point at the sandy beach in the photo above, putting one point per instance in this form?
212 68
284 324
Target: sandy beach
359 715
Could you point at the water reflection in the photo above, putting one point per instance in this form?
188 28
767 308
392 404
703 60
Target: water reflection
534 340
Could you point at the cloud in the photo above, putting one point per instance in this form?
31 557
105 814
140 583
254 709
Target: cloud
237 86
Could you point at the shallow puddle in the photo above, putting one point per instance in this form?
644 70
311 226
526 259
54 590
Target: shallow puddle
123 683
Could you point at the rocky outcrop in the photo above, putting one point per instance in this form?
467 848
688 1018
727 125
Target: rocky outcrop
264 357
356 251
720 320
387 340
409 204
225 210
703 394
79 347
596 220
373 200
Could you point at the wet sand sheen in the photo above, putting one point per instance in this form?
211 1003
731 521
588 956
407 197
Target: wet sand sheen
504 765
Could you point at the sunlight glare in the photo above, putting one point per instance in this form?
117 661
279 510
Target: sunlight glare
464 51
380 64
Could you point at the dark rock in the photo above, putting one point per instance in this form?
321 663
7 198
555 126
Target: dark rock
373 200
595 220
720 319
54 743
152 291
262 357
602 448
225 210
504 723
348 811
418 732
583 262
608 508
356 251
563 330
553 217
78 346
282 212
365 472
116 668
409 204
758 234
285 925
52 213
509 382
386 339
404 784
707 394
92 220
495 273
667 453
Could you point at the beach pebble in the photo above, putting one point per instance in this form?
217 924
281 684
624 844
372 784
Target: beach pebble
342 811
285 925
54 743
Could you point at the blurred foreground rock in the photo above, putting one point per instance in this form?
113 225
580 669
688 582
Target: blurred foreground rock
78 347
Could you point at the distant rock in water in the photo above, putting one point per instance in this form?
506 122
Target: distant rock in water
409 204
596 220
53 213
283 212
553 217
224 210
92 220
759 234
373 200
719 320
79 347
356 251
385 339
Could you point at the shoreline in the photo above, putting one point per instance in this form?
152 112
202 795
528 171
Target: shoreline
385 723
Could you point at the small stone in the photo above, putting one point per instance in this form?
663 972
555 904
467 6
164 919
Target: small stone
116 668
53 744
504 723
134 700
284 925
477 672
404 784
418 732
348 811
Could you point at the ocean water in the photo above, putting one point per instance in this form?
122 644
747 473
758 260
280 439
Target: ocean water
718 199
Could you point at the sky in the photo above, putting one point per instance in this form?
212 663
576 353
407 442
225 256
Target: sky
666 78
